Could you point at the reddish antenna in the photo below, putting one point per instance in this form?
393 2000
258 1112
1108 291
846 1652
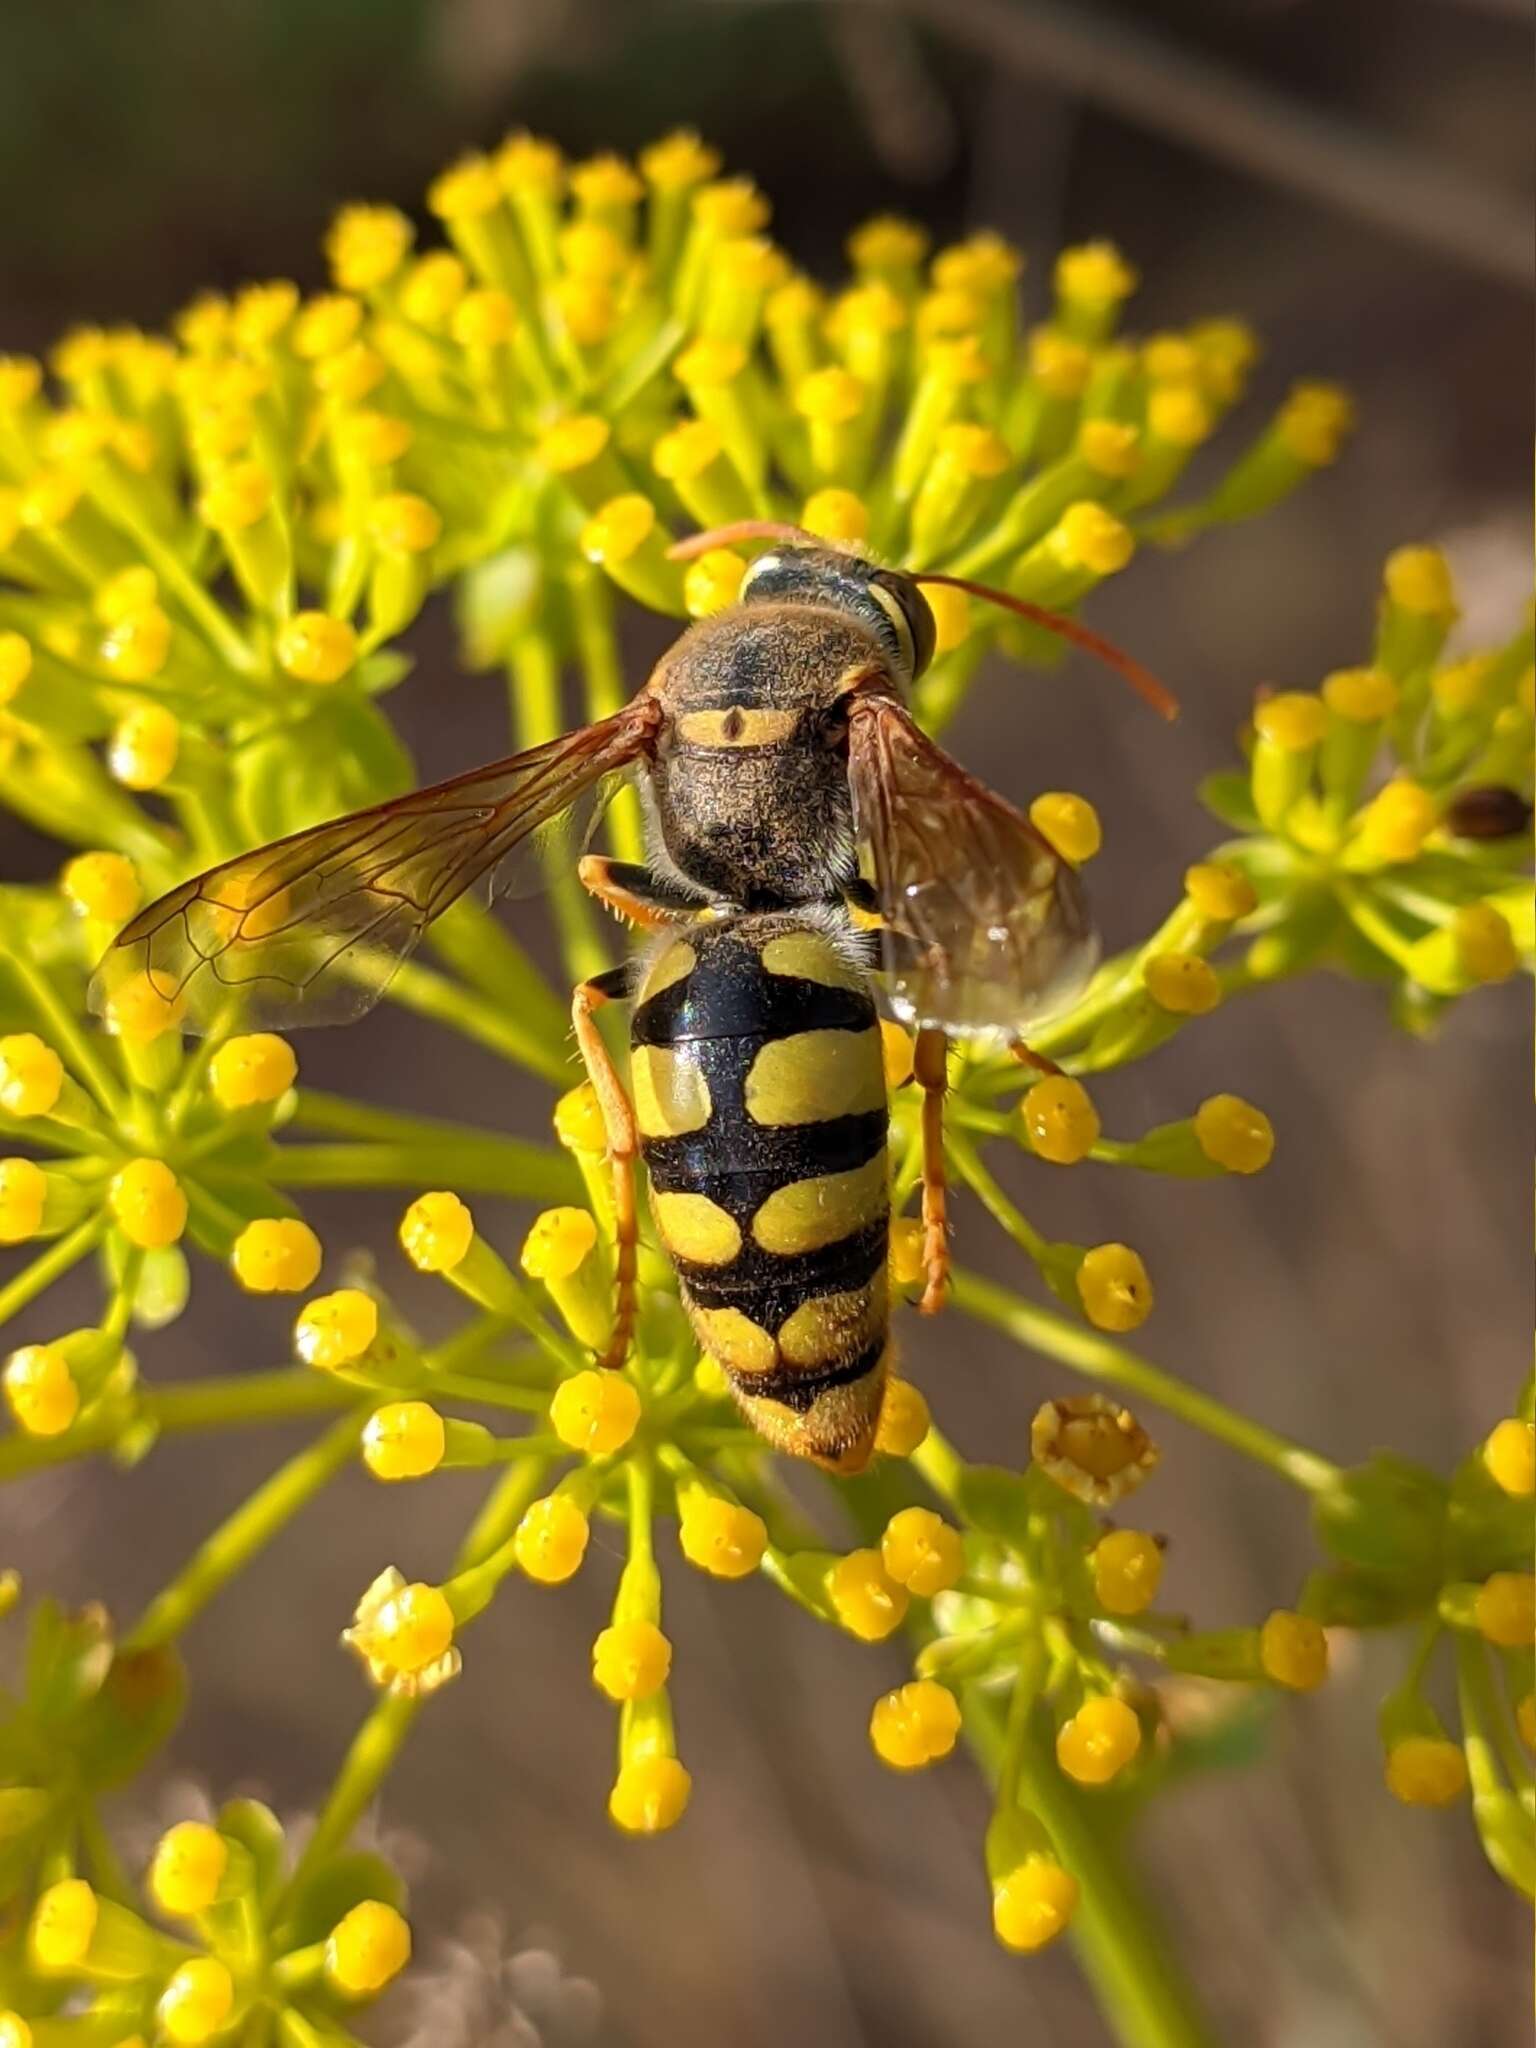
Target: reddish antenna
727 537
1141 680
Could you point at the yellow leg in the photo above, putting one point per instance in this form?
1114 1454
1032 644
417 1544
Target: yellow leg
632 892
928 1067
619 1129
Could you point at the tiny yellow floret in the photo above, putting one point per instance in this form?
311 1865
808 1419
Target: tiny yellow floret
196 2002
257 1067
437 1231
404 1440
595 1412
551 1540
1419 579
188 1868
1505 1609
1088 537
578 1121
1233 1134
1127 1568
315 648
904 1420
619 528
571 444
15 2033
1293 1651
1100 1739
401 523
138 645
1033 1904
558 1243
367 244
148 1203
721 1538
922 1552
907 1256
1292 720
867 1600
1396 822
1314 421
335 1329
367 1948
1115 1287
104 885
411 1629
140 1011
63 1923
31 1075
1360 696
1095 273
1062 1123
40 1390
144 746
1510 1456
1091 1447
1219 891
276 1255
650 1795
1426 1770
631 1660
236 498
1182 983
15 664
838 515
915 1725
1485 945
1069 823
23 1197
712 581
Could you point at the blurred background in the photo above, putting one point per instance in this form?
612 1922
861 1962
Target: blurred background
1354 179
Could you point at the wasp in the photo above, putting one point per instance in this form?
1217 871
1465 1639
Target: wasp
814 859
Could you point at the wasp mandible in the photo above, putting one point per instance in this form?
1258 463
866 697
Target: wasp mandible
810 850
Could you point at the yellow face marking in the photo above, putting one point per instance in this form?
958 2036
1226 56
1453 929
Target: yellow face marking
738 725
809 957
671 1093
832 1327
810 1213
734 1340
671 965
694 1227
816 1075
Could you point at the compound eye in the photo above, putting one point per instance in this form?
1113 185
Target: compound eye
908 611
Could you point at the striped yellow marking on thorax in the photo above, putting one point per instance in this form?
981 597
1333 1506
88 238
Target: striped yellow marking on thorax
808 956
673 964
737 725
671 1093
810 1213
693 1227
815 1076
832 1327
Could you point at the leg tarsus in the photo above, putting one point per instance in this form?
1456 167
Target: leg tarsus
623 1144
1027 1058
928 1066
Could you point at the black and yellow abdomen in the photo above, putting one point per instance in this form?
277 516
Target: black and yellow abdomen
760 1094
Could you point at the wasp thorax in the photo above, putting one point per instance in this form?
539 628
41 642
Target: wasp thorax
889 604
749 781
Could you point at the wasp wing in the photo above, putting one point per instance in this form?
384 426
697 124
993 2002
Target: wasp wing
309 929
985 929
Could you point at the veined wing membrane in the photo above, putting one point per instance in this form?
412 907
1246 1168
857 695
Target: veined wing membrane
309 929
985 929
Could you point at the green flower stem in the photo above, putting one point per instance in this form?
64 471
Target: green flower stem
339 1116
382 1736
248 1530
1110 1364
995 1202
63 1253
282 1395
480 949
107 1872
72 1042
607 690
485 1166
433 995
534 674
937 1460
1141 1987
